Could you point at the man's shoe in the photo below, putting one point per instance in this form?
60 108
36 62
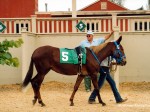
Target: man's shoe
121 101
88 90
91 101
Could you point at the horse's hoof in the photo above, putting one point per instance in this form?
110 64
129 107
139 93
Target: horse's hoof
43 105
72 104
33 102
103 104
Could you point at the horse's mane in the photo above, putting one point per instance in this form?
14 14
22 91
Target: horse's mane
96 49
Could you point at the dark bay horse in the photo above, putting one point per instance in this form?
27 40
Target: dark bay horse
47 58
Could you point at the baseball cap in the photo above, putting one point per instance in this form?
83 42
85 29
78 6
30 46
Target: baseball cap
90 32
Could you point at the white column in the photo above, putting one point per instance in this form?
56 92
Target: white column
66 26
38 26
62 26
116 74
33 22
138 25
10 26
129 25
99 26
57 26
109 25
20 26
24 52
143 25
104 23
74 15
43 26
116 36
47 22
52 26
114 20
124 26
95 26
14 26
85 21
147 25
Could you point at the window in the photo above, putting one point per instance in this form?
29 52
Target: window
149 26
88 26
145 26
141 26
97 27
27 26
17 28
22 25
93 26
135 26
103 5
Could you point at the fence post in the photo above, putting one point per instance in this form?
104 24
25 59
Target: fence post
74 15
116 74
114 20
33 22
24 52
116 36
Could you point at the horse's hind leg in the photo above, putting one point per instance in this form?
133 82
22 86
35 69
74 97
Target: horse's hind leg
95 84
76 86
36 84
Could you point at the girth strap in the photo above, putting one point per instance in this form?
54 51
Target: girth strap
79 54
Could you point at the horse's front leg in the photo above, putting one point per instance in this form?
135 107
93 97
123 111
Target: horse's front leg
95 84
76 86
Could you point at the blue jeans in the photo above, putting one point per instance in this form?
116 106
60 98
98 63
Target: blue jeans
105 74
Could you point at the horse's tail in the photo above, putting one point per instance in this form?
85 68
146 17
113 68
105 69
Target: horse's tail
29 75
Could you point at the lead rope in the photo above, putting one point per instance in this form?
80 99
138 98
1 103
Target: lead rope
113 67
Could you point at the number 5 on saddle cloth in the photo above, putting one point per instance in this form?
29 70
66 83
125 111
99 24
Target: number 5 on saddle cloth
73 56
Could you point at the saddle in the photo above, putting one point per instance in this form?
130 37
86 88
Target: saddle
73 56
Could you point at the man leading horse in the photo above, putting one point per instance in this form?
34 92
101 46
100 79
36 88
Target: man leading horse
104 70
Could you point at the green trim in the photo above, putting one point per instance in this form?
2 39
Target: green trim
70 56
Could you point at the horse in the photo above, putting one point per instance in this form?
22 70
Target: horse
47 58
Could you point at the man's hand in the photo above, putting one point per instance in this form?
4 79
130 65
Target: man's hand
109 35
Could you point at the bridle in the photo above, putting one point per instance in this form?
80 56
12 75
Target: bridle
119 59
116 52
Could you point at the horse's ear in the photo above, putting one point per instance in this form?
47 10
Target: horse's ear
119 40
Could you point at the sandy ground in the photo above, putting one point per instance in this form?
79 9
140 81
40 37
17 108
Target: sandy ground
56 97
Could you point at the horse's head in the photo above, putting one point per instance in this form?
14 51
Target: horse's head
118 52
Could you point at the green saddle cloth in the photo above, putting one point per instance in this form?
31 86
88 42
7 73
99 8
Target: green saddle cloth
70 56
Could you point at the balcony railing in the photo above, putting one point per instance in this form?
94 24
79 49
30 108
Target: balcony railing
68 25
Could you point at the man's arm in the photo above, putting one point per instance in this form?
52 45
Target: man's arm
109 35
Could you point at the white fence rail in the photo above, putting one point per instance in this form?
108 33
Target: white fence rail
68 25
13 26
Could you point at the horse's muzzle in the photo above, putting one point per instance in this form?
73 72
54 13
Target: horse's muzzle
123 62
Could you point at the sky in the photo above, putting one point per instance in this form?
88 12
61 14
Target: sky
64 5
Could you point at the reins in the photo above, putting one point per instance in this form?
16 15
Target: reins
95 57
113 65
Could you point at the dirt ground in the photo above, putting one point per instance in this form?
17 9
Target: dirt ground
56 97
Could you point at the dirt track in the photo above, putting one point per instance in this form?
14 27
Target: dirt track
56 97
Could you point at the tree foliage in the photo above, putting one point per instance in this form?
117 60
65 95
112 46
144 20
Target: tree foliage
5 55
120 2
